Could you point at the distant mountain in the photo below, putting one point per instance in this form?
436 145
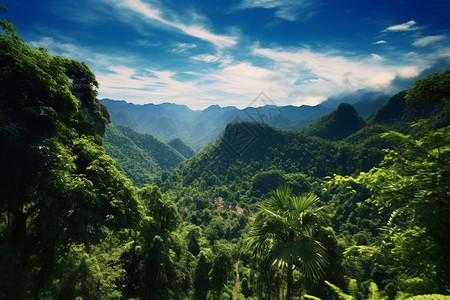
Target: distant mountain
199 128
141 156
364 101
182 148
338 124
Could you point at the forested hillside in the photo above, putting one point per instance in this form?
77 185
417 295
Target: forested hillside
182 148
338 210
142 157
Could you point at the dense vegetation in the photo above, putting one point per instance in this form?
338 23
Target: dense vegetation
262 213
142 157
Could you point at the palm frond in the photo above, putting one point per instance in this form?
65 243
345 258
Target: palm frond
304 201
311 256
283 232
280 197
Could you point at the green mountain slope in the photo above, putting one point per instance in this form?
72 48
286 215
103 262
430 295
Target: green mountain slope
396 114
165 156
248 148
184 149
141 156
338 124
136 163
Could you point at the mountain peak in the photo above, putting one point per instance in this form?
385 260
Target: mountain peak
338 124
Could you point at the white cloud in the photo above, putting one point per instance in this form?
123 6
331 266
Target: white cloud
285 9
425 41
156 15
182 47
223 60
146 43
376 56
380 42
206 58
339 74
408 26
90 56
287 75
408 72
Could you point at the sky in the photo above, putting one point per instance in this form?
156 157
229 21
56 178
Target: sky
205 52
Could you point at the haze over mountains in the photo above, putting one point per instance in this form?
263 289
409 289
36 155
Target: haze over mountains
199 128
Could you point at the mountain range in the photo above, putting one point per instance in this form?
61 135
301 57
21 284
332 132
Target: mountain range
144 157
199 128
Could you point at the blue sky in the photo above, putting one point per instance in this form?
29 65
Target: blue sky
201 53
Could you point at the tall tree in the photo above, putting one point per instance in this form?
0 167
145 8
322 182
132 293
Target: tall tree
58 187
284 232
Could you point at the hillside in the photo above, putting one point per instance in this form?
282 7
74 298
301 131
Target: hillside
338 124
141 156
398 115
244 154
185 150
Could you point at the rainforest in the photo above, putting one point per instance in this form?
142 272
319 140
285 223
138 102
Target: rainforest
343 207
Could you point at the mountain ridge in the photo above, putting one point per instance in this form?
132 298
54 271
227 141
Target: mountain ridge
199 128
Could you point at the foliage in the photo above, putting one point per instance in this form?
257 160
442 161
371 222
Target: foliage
141 156
58 186
375 295
427 90
419 177
284 233
184 149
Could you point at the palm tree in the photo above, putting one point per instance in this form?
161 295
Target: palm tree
284 232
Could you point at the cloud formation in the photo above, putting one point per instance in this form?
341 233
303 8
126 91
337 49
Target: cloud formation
289 10
288 75
335 74
169 62
408 26
182 47
155 15
425 41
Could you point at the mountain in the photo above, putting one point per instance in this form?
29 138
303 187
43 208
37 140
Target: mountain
249 148
399 116
199 128
182 148
140 156
338 124
364 101
340 142
143 157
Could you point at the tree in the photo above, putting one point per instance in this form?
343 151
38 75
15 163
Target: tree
58 187
221 267
413 183
427 90
284 232
201 278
